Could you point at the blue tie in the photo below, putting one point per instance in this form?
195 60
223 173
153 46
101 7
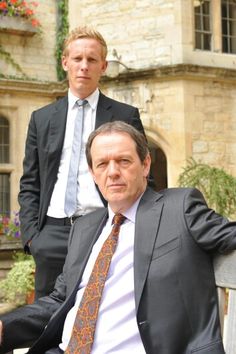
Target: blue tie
71 188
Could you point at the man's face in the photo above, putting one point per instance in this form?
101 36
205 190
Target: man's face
84 65
117 169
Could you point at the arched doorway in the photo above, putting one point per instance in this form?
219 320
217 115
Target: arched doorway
158 166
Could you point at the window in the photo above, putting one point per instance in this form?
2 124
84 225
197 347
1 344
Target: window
202 25
5 193
4 159
215 25
228 11
4 140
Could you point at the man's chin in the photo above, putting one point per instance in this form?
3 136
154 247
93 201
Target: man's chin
115 196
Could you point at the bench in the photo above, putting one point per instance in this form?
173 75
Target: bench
225 274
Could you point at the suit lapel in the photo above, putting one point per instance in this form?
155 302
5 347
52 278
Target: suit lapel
104 114
146 229
55 143
89 229
58 126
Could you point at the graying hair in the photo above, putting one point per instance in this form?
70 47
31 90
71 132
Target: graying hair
119 127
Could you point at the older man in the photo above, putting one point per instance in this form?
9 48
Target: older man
151 292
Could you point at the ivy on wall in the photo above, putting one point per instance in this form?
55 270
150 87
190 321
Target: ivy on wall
6 56
62 31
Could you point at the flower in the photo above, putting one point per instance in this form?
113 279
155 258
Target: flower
10 227
19 8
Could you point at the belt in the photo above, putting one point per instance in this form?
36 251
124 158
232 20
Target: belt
61 221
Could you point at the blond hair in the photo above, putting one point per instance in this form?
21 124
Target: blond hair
84 32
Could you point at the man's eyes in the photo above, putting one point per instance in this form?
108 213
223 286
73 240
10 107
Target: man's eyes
90 60
122 162
125 161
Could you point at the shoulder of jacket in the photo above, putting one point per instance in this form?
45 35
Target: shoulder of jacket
53 105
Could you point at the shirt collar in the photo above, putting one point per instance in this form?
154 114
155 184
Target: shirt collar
92 99
130 214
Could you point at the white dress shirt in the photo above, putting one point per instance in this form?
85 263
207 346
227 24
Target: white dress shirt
88 198
116 328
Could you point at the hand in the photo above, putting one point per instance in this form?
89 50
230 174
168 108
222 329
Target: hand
1 332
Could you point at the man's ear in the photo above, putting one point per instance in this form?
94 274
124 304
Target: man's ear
146 165
91 171
64 63
104 68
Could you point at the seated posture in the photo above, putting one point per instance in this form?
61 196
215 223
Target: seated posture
138 276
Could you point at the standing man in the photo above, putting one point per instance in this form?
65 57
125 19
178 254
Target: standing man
45 218
159 294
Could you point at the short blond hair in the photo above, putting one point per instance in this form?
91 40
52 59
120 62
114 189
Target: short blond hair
84 32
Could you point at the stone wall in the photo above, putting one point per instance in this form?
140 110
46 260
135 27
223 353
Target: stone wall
186 111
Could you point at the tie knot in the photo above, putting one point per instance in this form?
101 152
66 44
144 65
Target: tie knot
118 219
81 103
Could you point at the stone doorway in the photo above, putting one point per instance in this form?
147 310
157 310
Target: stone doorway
158 166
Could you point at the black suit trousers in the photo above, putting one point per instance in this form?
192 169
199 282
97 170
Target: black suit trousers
49 249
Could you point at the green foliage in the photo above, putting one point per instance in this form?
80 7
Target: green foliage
6 56
62 31
19 280
218 187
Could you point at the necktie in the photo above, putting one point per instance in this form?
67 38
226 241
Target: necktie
71 188
81 340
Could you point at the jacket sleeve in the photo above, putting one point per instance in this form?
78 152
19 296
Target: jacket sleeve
136 121
211 231
29 195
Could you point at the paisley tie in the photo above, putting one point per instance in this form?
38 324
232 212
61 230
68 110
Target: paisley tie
81 340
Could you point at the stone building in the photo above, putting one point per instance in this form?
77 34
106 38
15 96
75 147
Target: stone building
176 62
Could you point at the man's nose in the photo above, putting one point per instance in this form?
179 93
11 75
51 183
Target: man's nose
84 64
113 168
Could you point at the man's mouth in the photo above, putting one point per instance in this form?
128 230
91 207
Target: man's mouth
116 186
83 77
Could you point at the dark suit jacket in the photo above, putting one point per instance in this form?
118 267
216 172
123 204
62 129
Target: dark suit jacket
44 145
175 294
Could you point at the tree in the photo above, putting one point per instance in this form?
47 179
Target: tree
217 186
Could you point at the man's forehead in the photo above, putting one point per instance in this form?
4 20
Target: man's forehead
117 143
115 136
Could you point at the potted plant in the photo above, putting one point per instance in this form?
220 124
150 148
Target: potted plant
18 16
19 282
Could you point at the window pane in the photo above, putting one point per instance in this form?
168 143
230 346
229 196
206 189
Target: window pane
224 27
228 24
207 41
233 46
197 22
198 40
4 140
206 23
5 193
206 7
203 26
